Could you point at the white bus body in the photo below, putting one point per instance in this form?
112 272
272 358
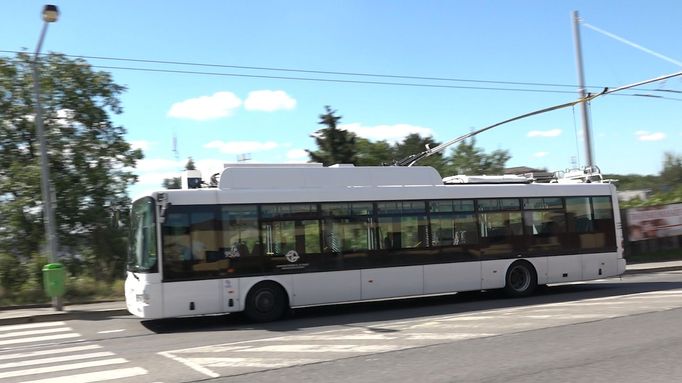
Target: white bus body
268 238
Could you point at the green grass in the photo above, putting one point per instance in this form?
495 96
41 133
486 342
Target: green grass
78 290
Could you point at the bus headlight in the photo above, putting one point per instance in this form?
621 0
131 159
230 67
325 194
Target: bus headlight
142 298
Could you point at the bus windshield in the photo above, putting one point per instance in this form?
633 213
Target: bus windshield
142 250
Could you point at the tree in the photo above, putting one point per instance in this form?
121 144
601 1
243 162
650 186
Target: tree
671 175
176 182
88 156
470 160
413 144
335 146
373 153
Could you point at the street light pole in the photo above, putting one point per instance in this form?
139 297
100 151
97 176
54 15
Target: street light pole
581 91
50 14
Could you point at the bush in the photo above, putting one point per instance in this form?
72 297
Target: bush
31 292
86 288
12 273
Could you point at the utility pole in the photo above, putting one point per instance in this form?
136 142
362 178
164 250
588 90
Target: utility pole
581 90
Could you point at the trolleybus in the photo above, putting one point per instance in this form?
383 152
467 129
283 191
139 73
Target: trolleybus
268 238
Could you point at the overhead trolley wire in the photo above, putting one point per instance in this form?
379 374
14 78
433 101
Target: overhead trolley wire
413 158
432 81
429 84
335 80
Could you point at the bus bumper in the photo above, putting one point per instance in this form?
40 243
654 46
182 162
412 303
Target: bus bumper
621 266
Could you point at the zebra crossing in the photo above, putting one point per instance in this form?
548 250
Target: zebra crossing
362 340
51 352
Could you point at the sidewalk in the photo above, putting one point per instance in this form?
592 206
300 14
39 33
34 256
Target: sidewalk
104 310
44 313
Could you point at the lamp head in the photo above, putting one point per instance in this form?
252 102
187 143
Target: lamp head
50 13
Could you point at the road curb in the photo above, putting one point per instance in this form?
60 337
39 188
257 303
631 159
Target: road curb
652 270
66 315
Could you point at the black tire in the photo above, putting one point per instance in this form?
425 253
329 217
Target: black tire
521 279
266 302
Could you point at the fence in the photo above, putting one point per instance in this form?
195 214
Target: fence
652 228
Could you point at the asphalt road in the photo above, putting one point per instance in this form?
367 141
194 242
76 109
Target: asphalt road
625 330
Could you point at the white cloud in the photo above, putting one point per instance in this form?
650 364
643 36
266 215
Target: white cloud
238 147
544 133
540 154
144 145
220 104
297 154
269 101
644 135
158 165
390 133
151 172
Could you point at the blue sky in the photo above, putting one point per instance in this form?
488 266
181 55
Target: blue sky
218 117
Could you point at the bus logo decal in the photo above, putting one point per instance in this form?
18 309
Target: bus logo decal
292 256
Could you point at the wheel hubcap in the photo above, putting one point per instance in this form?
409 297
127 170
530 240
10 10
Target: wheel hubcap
265 301
519 278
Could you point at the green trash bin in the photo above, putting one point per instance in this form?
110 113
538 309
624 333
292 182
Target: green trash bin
54 279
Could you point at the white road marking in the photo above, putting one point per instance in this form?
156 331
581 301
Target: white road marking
437 336
354 348
110 331
49 352
34 332
368 336
56 359
194 366
251 362
98 376
30 325
39 338
64 367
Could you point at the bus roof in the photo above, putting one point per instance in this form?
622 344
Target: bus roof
279 177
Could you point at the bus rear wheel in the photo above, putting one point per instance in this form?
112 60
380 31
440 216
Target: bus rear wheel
266 302
521 279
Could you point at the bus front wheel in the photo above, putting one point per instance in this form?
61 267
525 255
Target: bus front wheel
265 302
521 279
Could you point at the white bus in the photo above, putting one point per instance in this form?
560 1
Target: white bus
268 238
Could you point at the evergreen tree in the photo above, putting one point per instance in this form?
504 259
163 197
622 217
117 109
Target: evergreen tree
335 146
373 153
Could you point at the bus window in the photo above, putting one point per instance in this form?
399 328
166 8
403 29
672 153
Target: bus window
579 215
240 239
347 234
603 222
142 252
545 223
203 235
291 242
402 224
544 229
190 243
177 253
590 223
451 225
501 231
